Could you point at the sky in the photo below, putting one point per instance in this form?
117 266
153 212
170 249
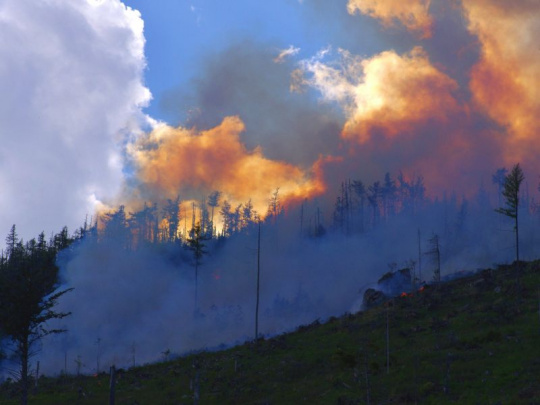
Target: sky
107 102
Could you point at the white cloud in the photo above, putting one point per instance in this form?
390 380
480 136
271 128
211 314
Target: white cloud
71 79
285 53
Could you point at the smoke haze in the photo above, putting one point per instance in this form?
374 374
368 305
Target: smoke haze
442 95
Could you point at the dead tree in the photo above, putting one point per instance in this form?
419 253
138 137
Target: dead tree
435 253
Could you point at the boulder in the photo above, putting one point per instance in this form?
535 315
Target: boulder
394 283
372 298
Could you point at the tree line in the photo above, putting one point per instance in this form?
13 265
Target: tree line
29 291
29 275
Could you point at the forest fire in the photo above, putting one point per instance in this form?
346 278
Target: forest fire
190 163
405 294
332 186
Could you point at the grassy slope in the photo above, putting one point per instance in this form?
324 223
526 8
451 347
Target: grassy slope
469 341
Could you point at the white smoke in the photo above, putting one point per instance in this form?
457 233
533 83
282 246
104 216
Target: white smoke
140 304
71 79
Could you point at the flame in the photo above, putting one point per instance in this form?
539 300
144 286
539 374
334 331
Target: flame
413 14
178 161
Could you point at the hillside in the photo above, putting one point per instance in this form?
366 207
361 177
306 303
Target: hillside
471 340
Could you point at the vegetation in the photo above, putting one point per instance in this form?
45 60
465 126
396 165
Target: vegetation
511 186
196 244
28 294
465 342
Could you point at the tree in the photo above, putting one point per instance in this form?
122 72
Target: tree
248 214
512 183
28 294
388 194
374 196
226 215
275 208
213 202
360 191
499 178
435 253
196 245
116 228
171 212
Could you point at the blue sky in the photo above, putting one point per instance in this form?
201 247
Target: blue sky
76 80
182 34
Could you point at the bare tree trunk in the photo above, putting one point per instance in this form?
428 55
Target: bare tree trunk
196 284
387 339
258 283
36 379
517 237
24 348
419 257
112 385
366 372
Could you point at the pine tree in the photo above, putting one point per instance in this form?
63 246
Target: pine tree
197 246
28 294
512 184
213 202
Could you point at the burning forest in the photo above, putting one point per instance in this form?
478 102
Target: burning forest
271 185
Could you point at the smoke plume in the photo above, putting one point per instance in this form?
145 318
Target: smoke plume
178 161
413 14
72 92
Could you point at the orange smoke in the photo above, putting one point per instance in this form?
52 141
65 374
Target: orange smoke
402 114
506 80
397 93
387 94
413 14
179 161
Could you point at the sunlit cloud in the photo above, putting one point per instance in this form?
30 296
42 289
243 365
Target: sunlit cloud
387 93
286 53
506 79
179 161
413 14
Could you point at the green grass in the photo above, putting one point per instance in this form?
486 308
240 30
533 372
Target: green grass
470 341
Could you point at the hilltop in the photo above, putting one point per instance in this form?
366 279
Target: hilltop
470 340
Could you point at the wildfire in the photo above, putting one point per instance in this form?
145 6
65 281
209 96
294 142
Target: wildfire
505 80
186 162
411 294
